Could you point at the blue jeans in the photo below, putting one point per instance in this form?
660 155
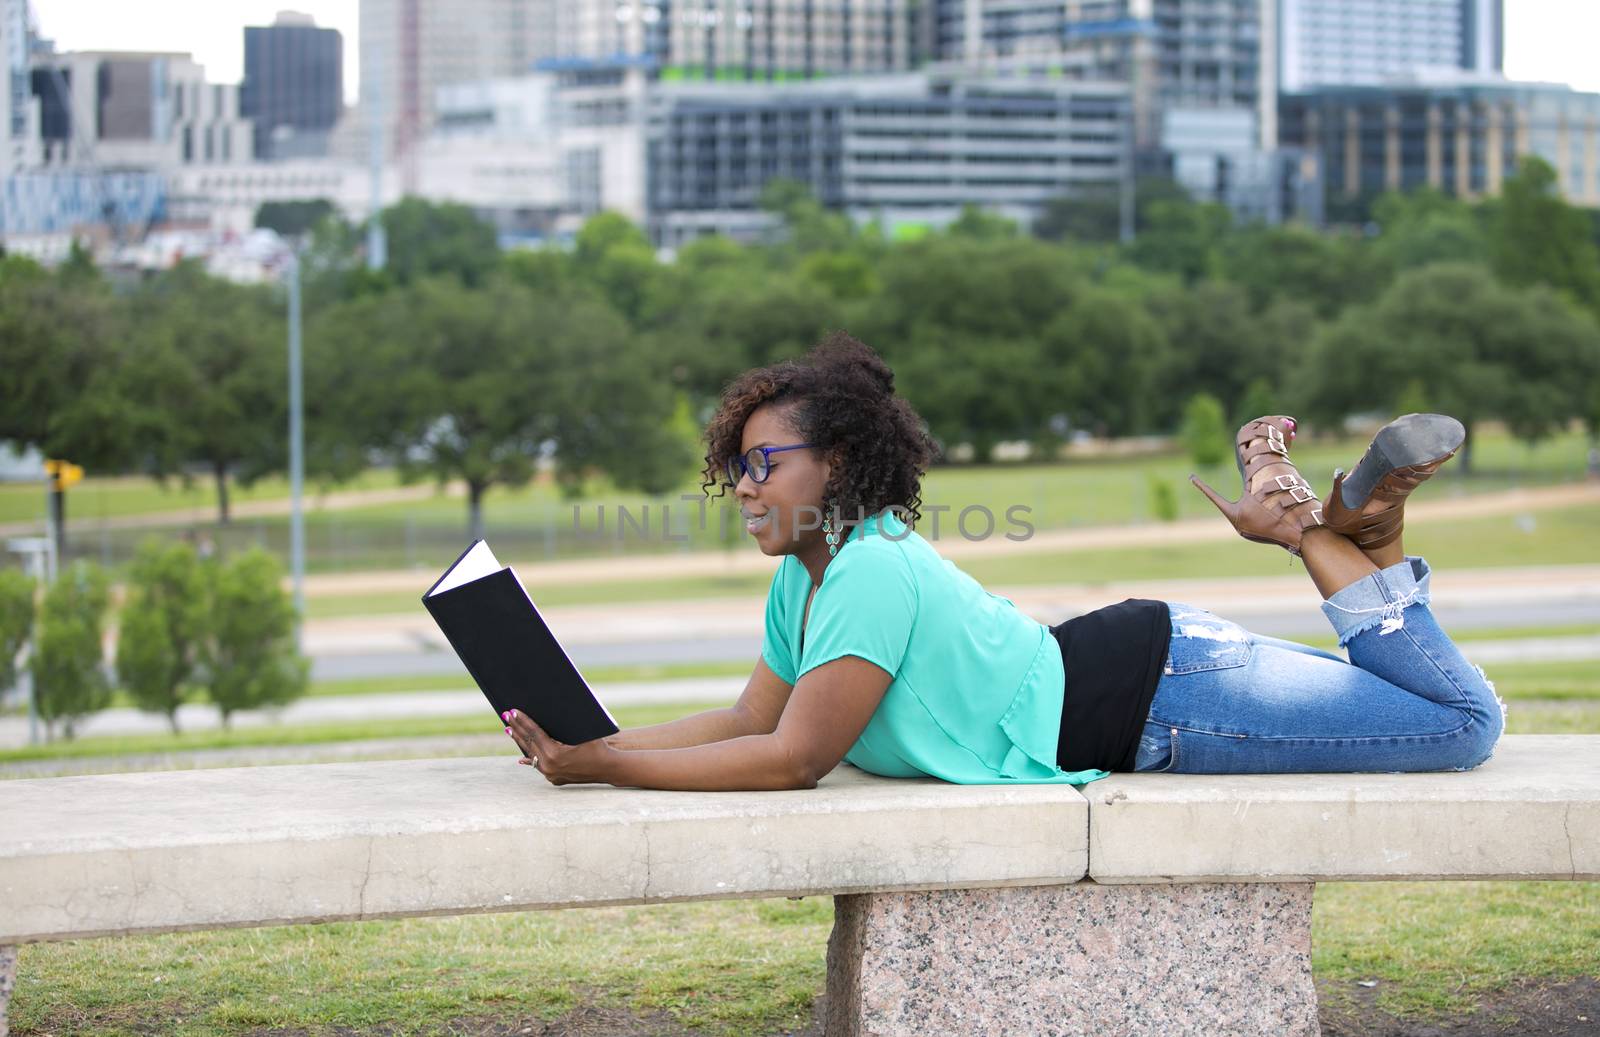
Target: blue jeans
1233 702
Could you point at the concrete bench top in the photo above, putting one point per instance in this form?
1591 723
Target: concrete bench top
1531 812
207 849
159 851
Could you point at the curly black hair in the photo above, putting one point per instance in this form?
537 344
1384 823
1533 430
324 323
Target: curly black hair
843 401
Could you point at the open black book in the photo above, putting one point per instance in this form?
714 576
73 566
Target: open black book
491 622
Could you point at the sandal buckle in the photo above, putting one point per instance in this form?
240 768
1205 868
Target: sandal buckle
1297 487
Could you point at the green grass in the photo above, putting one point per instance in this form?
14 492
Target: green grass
96 499
732 967
1558 536
1555 681
535 523
1552 717
1470 634
1440 947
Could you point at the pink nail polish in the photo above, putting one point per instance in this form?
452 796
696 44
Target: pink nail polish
508 730
513 712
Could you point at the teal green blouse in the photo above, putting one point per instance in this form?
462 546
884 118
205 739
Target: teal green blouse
977 690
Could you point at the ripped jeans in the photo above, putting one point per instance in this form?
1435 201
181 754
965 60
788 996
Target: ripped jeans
1233 702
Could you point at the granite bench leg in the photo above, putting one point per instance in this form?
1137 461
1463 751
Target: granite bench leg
1108 961
8 978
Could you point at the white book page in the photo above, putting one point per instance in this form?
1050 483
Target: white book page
474 565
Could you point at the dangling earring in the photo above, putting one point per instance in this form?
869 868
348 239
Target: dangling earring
829 532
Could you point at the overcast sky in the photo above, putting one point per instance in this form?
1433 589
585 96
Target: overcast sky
1548 40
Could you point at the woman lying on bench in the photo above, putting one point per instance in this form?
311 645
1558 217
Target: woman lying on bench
879 652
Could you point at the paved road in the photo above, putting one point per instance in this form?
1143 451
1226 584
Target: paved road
724 629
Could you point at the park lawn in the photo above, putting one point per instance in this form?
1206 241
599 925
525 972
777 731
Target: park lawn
124 495
728 967
534 523
724 968
1556 536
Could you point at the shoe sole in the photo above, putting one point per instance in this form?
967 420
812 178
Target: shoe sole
1406 442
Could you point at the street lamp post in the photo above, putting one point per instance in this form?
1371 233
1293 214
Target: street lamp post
297 448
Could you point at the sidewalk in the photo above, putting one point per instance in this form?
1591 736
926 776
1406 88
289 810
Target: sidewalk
333 709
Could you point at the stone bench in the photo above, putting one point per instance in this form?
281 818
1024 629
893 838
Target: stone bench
1157 904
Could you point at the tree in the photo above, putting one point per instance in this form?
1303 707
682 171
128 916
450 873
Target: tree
16 623
978 289
293 219
1427 226
1205 431
1478 349
615 257
69 680
1219 345
208 362
1094 214
485 381
60 369
844 275
1537 238
1291 262
975 391
741 319
979 224
1258 400
1163 500
163 625
430 239
1182 237
1100 359
248 656
808 225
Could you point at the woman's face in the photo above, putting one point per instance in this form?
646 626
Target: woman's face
784 513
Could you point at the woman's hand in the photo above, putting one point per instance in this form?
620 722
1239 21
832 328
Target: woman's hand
561 764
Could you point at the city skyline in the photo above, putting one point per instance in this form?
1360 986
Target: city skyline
1546 40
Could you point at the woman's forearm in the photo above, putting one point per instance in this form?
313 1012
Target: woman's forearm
748 762
714 725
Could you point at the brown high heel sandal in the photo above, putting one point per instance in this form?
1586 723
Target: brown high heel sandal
1283 506
1402 456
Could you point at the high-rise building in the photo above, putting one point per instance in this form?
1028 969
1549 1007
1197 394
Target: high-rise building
136 110
1369 42
1461 138
1172 54
411 48
741 40
293 89
19 113
908 151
